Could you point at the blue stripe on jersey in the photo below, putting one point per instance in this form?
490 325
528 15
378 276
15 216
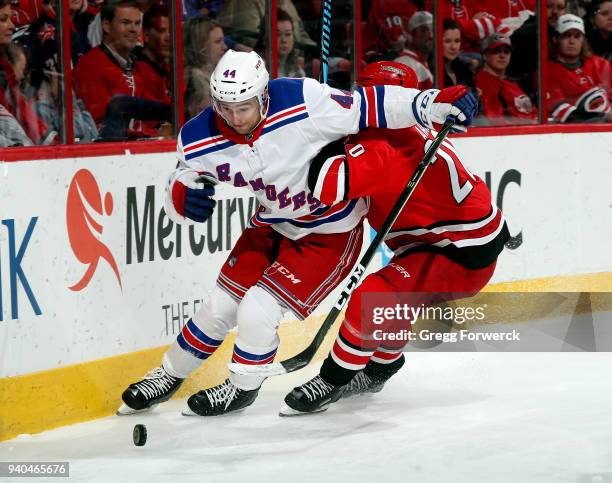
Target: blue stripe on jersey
380 102
284 122
311 224
211 149
363 116
253 357
201 336
202 126
284 94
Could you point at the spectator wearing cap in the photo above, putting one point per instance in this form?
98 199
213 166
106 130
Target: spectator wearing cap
578 81
502 101
456 70
598 28
112 83
418 48
523 67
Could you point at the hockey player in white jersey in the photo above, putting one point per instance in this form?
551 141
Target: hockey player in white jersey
262 135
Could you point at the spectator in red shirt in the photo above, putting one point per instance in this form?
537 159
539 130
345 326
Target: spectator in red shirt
579 83
418 48
114 85
502 101
156 50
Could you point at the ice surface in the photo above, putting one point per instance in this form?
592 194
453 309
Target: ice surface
446 417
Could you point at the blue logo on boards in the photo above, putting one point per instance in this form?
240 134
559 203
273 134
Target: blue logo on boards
9 245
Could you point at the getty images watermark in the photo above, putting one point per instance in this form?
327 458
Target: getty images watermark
489 321
404 314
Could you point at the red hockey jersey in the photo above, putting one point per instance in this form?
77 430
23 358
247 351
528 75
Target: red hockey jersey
503 101
586 88
450 211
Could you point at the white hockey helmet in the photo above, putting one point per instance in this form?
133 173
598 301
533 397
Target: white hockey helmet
238 77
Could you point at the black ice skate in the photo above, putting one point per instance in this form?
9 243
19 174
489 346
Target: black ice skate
313 396
222 399
156 387
372 378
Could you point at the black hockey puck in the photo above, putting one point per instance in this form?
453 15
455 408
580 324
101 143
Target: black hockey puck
140 435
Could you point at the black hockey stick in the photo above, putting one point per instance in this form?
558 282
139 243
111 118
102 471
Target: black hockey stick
325 39
303 358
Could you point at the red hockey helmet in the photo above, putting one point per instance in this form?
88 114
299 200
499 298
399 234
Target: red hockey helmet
387 73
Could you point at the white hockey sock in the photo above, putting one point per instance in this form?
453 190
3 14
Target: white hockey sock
178 362
258 317
202 334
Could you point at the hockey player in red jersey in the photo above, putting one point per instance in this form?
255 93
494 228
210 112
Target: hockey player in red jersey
446 240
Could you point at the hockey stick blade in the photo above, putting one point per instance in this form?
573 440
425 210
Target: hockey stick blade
302 359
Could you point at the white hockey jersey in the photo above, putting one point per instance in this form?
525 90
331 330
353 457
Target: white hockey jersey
273 162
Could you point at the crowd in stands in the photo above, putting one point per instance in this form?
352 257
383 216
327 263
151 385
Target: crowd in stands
492 47
120 56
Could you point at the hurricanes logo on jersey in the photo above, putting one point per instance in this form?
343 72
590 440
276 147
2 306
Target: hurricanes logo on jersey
84 220
594 100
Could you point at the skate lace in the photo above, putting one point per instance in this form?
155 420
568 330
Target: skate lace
316 387
155 383
360 382
222 394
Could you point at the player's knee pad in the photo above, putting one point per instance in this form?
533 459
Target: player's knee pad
258 317
218 314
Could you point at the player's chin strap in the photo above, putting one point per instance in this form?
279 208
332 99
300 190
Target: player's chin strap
303 358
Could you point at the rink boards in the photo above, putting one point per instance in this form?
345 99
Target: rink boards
95 281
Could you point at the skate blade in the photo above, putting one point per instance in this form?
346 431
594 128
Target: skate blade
288 412
125 410
267 370
189 413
